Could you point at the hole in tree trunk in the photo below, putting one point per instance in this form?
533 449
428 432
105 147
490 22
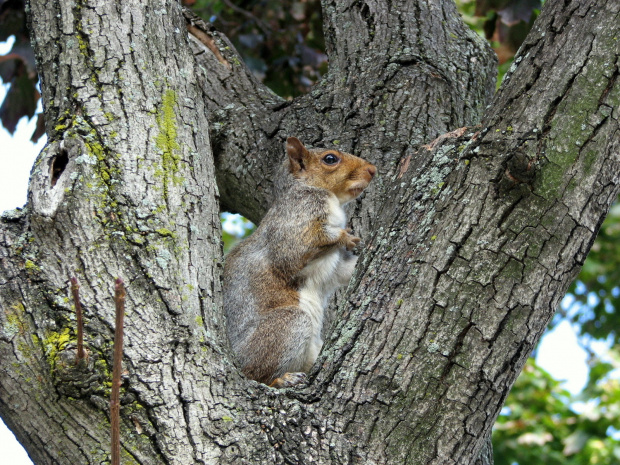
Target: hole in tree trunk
58 166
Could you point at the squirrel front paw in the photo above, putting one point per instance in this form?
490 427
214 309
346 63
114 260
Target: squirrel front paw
350 241
289 380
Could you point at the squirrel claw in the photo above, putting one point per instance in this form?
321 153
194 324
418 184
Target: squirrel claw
349 240
352 242
289 380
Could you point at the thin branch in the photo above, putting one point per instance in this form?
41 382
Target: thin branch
119 298
80 323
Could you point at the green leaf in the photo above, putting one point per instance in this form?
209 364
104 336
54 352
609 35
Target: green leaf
21 100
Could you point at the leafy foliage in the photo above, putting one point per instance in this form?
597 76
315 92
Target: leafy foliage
280 41
543 424
597 289
17 69
505 23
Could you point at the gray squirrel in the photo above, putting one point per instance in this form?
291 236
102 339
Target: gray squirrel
278 281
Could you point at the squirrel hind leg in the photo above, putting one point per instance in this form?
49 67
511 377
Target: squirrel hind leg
289 380
345 267
278 347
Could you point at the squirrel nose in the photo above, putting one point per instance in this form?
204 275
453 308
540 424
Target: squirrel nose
372 170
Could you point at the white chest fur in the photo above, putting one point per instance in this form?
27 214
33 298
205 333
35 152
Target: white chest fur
322 277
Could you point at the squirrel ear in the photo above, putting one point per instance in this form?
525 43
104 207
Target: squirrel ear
296 152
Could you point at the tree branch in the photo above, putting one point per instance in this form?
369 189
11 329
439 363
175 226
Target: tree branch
250 124
136 197
487 233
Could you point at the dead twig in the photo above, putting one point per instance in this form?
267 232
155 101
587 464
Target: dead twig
115 403
80 323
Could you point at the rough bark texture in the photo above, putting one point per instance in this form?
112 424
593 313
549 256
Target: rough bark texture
471 240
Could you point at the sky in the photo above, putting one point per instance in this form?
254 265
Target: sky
558 353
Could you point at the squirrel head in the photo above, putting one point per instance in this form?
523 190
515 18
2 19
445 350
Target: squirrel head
343 174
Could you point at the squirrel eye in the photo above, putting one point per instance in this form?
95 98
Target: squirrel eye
330 159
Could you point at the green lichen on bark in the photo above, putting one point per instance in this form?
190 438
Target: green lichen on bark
99 170
14 321
587 105
166 142
54 343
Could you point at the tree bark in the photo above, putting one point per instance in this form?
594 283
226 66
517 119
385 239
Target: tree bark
470 240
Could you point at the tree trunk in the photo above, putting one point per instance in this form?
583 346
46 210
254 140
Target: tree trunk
470 241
